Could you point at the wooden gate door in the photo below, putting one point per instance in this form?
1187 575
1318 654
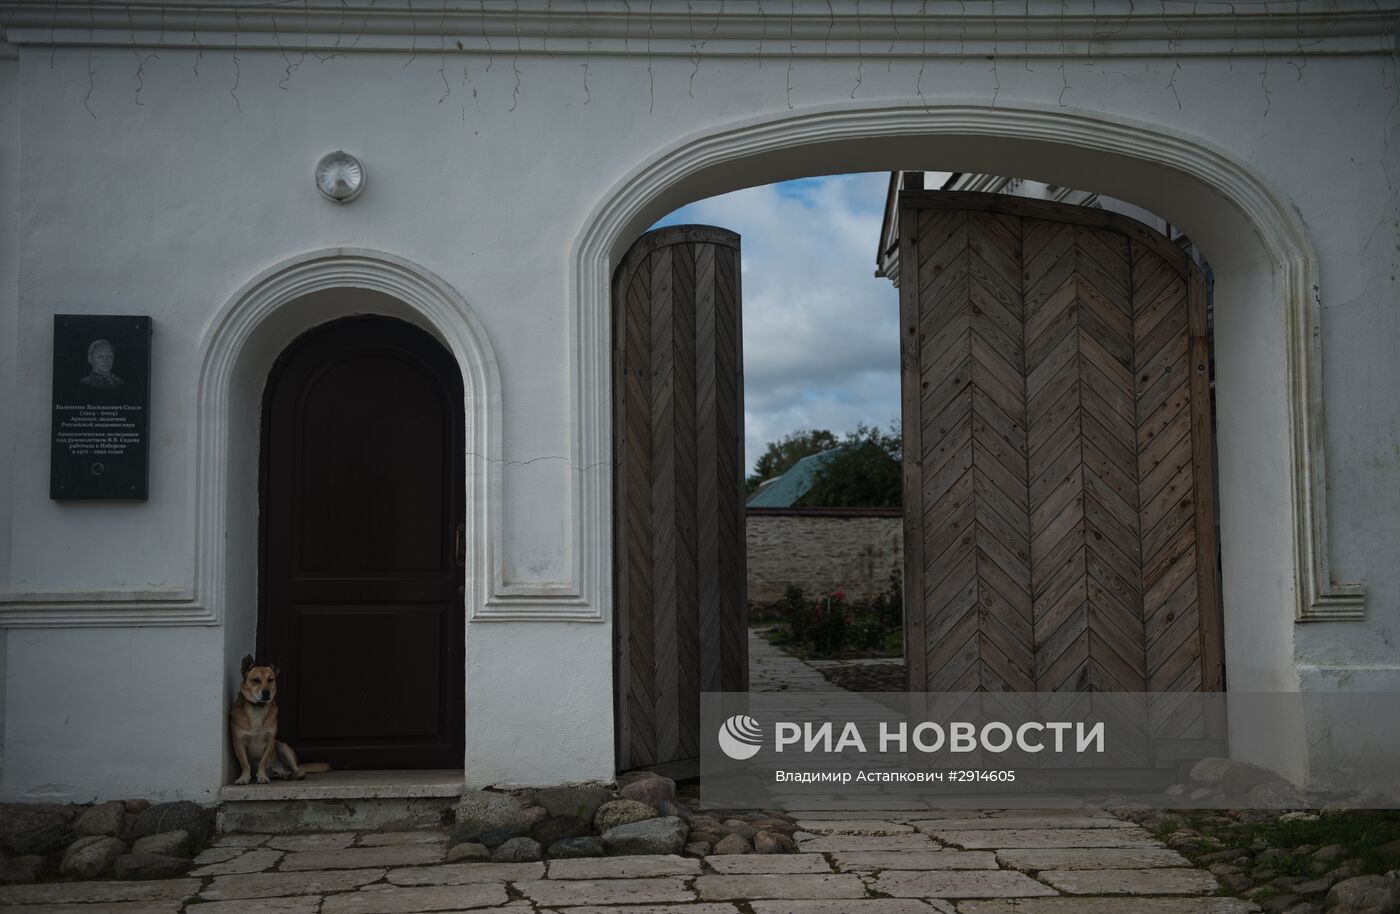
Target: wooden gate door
1057 442
362 498
681 617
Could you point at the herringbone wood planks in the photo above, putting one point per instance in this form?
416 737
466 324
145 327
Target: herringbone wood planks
972 500
678 396
1059 516
1084 529
1178 546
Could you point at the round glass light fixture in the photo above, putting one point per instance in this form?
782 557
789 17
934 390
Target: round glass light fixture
340 176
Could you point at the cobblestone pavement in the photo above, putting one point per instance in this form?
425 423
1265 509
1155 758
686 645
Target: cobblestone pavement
851 862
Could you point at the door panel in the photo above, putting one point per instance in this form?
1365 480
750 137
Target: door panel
1058 478
385 638
362 492
681 624
387 412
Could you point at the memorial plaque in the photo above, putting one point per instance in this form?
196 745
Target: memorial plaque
101 405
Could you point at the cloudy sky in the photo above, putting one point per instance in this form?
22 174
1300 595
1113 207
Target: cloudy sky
821 333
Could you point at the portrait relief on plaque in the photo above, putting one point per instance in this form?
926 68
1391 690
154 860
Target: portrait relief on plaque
102 356
101 400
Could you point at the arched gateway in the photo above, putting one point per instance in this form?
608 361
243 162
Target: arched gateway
1059 517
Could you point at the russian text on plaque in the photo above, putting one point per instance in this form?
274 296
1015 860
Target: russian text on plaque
101 404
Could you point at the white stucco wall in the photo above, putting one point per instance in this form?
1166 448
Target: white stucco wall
169 206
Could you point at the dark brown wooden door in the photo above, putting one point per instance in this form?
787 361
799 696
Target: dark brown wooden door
681 626
1059 520
362 496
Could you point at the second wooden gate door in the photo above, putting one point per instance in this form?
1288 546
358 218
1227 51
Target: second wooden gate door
1058 473
362 498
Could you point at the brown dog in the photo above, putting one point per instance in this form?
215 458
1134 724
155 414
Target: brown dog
252 723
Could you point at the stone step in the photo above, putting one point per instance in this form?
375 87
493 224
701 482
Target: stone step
341 801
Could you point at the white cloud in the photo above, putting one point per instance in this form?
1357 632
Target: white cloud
821 333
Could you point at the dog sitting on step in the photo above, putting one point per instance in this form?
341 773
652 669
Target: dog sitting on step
252 723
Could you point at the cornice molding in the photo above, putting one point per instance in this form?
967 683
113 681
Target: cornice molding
725 28
1317 597
102 609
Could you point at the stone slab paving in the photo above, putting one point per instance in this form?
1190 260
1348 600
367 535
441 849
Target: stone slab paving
772 669
1089 858
1160 881
877 815
867 906
960 884
827 843
624 867
318 842
275 885
702 908
121 907
253 861
746 887
860 806
1070 809
914 860
847 663
217 854
463 873
398 900
853 827
98 892
1109 906
239 840
553 893
984 823
305 904
769 864
353 858
866 861
396 838
977 839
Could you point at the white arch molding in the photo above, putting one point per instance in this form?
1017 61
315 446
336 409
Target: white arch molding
1176 175
432 302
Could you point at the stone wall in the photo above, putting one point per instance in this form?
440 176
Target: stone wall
819 552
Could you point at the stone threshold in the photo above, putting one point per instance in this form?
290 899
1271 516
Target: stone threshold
341 801
353 785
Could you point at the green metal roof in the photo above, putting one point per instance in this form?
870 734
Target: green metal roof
784 491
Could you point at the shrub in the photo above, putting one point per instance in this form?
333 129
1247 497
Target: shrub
797 615
889 606
867 633
831 626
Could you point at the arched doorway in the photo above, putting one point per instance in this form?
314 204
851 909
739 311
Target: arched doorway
361 545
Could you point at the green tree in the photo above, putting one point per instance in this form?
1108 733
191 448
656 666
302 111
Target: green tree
865 473
781 455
